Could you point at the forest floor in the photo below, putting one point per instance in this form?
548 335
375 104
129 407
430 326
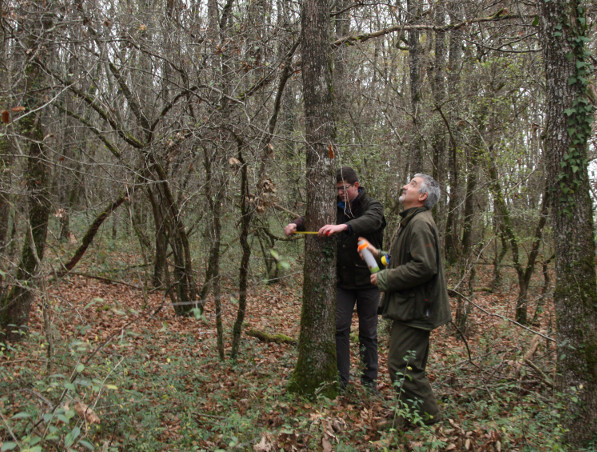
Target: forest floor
124 373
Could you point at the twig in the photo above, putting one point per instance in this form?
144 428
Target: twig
542 375
106 280
283 209
468 350
10 430
503 317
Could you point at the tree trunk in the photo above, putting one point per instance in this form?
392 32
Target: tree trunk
466 257
5 201
563 28
316 365
525 278
438 87
90 234
160 258
214 234
15 306
414 65
245 221
452 242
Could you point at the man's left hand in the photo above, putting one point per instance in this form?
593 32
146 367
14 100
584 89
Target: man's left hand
373 279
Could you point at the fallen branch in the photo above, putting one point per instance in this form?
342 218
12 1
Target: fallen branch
548 381
266 337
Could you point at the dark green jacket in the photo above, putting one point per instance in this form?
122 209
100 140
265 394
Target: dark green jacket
413 284
364 218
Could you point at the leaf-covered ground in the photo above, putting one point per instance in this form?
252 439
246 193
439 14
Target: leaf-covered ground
122 372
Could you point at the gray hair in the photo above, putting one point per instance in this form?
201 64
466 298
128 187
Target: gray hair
431 187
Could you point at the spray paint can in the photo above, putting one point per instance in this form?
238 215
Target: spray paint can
369 259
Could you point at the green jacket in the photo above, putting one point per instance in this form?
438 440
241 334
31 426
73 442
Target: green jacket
413 284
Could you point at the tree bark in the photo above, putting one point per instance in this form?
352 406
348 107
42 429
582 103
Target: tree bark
452 242
415 54
90 234
15 306
245 222
563 28
316 365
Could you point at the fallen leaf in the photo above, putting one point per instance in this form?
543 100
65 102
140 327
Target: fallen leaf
86 413
265 445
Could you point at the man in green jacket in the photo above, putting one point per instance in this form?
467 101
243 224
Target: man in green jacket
415 296
357 215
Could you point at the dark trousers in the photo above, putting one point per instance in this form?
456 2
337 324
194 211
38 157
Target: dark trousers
366 301
407 360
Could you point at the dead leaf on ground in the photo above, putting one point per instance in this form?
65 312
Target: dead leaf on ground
86 413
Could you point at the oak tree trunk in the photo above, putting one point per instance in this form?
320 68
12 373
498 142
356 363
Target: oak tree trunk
569 116
315 369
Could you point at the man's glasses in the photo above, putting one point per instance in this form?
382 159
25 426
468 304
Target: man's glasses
344 187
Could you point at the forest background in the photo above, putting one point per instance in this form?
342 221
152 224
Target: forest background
153 151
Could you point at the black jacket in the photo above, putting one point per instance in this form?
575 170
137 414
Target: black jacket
364 218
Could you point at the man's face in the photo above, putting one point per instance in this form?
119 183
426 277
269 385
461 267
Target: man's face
411 196
347 192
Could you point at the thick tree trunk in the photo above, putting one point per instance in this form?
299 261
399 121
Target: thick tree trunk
316 365
15 306
563 28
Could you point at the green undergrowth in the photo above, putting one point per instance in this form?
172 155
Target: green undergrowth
162 387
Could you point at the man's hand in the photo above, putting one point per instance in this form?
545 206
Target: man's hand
290 229
331 229
369 247
373 279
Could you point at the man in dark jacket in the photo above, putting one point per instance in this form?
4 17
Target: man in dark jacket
357 215
415 295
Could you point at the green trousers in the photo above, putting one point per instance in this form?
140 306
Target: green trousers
407 359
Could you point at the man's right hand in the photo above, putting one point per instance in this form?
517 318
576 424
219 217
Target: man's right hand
290 229
331 229
370 247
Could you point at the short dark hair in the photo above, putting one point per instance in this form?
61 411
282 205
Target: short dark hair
346 174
